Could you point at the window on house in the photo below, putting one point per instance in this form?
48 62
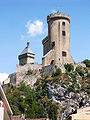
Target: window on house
53 44
64 53
63 33
63 23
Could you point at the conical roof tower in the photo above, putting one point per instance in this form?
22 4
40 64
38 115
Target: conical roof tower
26 56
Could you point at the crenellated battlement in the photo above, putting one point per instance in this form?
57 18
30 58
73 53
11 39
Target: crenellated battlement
58 15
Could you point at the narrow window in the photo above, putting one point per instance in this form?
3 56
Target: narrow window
52 62
64 53
63 33
53 44
63 23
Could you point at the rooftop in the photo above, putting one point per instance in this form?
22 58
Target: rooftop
26 50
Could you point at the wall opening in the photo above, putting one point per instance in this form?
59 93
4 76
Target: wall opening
63 33
63 23
53 44
64 53
52 62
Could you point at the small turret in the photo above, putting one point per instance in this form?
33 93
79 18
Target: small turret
26 56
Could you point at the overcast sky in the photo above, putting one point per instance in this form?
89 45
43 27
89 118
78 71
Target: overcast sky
23 20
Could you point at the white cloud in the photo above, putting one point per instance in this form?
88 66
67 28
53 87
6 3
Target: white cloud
35 28
3 76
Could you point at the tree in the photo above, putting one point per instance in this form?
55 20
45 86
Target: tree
87 62
69 67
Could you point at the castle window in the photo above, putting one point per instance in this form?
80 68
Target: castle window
63 33
63 23
53 44
52 62
64 53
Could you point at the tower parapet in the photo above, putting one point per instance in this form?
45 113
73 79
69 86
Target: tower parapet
58 16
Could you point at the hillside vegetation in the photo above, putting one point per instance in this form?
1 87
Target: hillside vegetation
55 96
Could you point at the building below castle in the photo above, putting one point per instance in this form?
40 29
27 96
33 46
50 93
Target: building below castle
82 114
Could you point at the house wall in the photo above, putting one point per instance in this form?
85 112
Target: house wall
1 113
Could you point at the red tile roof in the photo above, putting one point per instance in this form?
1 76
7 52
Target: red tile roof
37 119
16 118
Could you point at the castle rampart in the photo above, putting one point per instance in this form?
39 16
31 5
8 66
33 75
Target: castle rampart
58 16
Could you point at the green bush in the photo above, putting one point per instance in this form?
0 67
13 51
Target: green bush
25 100
71 88
69 67
52 111
88 91
87 62
57 73
88 75
23 63
29 72
80 71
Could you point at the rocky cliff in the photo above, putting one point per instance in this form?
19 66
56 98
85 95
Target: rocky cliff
68 87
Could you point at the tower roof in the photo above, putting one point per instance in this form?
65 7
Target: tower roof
26 50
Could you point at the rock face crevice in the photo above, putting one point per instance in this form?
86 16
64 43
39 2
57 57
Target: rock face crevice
69 90
68 102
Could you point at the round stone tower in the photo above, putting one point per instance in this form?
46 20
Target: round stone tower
58 40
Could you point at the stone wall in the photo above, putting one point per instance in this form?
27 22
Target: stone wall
47 70
21 72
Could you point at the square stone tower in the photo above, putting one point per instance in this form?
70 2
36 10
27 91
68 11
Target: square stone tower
56 46
26 56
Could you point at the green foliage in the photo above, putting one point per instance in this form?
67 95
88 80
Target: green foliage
87 62
88 75
71 88
80 71
88 91
30 102
58 72
24 100
29 72
23 63
72 75
53 111
69 67
51 108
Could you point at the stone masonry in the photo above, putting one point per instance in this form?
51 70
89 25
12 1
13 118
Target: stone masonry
21 72
26 56
56 46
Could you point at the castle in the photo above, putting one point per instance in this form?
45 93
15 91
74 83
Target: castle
56 52
56 46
